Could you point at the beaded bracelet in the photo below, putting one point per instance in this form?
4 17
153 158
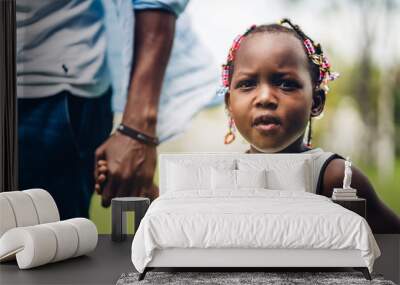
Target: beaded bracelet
136 135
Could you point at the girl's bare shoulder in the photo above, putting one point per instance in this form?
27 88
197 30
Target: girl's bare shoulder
334 174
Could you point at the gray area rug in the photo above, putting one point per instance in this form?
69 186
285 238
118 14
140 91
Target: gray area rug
229 278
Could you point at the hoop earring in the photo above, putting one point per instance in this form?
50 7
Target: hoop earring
230 136
309 136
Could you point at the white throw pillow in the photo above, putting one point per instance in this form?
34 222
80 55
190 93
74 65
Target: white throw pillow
183 178
251 178
283 173
223 179
293 179
186 174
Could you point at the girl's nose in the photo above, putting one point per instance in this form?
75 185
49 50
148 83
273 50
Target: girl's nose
266 99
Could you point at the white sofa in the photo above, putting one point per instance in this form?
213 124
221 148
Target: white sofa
31 231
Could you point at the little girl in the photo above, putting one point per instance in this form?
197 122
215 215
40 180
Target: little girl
274 83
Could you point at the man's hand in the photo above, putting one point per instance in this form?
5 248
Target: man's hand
125 167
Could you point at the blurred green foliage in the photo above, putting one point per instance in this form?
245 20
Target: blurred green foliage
387 189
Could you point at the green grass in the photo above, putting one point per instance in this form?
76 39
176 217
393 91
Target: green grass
388 191
102 216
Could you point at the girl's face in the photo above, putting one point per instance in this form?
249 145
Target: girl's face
271 94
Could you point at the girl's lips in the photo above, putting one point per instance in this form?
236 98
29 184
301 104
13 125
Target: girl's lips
267 123
267 128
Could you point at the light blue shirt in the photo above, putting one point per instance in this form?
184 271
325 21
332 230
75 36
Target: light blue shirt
84 46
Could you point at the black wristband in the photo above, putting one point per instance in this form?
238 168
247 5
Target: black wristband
136 135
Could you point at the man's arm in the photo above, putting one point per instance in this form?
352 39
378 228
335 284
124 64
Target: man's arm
154 33
380 218
130 163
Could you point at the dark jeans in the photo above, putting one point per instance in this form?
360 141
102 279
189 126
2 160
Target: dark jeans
57 138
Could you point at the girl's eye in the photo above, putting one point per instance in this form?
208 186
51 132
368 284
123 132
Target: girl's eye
289 85
246 84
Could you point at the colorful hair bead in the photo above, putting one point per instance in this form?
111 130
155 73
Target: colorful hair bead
321 75
227 68
225 75
309 46
325 63
333 76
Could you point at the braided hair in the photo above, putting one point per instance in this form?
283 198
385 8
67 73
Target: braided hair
318 66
